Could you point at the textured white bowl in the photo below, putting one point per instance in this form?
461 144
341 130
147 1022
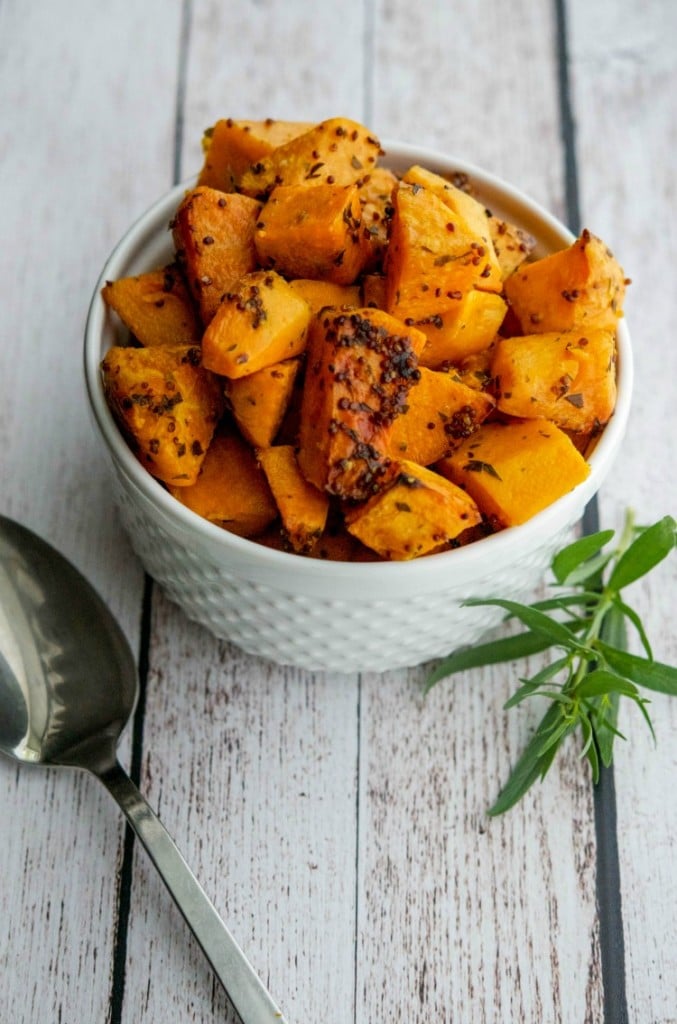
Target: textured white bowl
333 615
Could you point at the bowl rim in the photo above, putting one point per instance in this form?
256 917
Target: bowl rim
460 561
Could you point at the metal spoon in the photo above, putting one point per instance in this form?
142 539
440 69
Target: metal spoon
68 685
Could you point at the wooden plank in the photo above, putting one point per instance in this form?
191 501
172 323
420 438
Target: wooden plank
253 769
267 819
482 919
80 161
624 79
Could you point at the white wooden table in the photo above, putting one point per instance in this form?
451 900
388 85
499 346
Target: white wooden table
337 822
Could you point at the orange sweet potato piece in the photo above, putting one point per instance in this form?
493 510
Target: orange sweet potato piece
415 512
433 259
156 307
469 327
513 470
579 287
334 152
376 191
214 239
259 401
569 378
470 210
167 406
261 321
303 509
512 244
360 367
313 232
374 291
319 294
231 147
231 490
441 413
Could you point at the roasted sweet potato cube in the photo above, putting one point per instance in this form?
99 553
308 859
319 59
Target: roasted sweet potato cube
468 327
360 367
214 239
313 232
432 259
374 291
166 404
470 210
231 490
441 412
319 294
156 307
475 370
569 378
303 509
260 322
416 512
376 191
579 287
513 470
260 401
512 244
334 152
231 147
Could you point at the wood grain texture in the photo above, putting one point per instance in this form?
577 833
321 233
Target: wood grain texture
337 822
624 77
253 769
82 156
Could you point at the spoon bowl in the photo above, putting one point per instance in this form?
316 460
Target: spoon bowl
68 686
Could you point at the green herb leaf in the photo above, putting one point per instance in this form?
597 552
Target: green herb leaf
530 766
537 622
506 649
653 675
600 682
589 624
573 555
651 546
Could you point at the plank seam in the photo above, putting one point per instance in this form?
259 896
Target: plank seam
608 880
358 764
127 868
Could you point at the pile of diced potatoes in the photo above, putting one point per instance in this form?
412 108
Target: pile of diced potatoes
352 365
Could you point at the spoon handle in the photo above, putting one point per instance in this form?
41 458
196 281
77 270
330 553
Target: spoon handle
244 988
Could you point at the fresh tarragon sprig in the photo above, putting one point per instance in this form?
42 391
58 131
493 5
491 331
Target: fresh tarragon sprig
586 623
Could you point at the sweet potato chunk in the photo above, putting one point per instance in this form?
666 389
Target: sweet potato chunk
469 327
569 378
167 405
231 490
374 291
260 401
334 152
319 294
260 322
313 232
441 413
156 307
433 259
512 245
469 209
376 191
231 147
214 239
360 367
416 512
579 287
303 509
513 470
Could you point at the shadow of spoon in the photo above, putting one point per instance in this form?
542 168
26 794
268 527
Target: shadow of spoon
68 686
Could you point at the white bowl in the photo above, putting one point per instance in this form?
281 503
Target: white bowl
314 614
